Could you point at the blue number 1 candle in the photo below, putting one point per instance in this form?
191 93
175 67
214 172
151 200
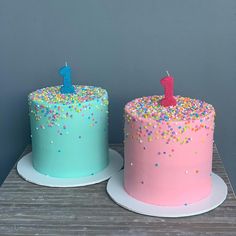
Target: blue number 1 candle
67 87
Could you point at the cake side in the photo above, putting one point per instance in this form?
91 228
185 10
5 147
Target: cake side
168 150
69 131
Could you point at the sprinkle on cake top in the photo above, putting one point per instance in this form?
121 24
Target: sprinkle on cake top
185 109
52 95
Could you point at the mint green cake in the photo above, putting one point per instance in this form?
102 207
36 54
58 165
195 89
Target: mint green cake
69 131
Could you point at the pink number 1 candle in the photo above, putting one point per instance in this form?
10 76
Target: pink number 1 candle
168 85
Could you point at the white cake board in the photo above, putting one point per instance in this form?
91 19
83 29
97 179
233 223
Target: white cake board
26 171
117 192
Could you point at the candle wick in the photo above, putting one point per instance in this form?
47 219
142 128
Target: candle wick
167 72
65 63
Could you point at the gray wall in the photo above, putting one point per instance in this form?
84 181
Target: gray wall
124 46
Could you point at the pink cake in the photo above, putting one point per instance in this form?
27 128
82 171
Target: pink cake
168 150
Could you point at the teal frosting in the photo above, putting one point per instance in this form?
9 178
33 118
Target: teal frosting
69 132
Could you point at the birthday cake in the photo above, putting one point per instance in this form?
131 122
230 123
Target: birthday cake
69 131
168 150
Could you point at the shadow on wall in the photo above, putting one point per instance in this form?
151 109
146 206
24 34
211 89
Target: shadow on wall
15 128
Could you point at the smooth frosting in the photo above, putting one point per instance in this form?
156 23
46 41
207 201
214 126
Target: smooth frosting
69 131
168 150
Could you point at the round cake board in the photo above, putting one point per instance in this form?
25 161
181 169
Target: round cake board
117 192
26 171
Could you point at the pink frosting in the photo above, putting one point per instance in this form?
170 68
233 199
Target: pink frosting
168 163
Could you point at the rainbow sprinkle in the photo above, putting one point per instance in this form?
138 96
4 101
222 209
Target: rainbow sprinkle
50 106
168 123
52 95
186 109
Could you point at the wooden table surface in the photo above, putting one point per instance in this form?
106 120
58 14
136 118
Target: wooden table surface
29 209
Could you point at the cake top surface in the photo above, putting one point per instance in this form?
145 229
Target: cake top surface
185 109
52 95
